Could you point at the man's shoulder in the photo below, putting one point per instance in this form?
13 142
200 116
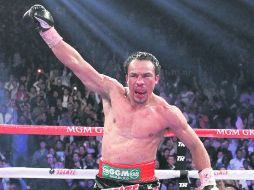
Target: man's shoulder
164 105
112 82
108 79
171 115
167 110
112 85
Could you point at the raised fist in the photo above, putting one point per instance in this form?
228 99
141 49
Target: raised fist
41 17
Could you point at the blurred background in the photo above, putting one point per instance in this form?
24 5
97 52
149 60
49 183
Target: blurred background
206 52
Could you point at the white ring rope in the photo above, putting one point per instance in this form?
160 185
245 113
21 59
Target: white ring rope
23 172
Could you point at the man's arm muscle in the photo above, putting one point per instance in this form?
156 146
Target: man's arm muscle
186 134
84 71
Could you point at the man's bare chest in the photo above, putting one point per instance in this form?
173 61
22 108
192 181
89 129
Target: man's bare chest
140 123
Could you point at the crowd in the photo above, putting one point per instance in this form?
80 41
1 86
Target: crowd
57 98
36 90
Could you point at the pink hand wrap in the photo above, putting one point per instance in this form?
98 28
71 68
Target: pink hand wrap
51 37
206 177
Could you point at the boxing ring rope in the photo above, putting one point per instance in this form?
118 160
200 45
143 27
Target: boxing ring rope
47 173
98 131
23 172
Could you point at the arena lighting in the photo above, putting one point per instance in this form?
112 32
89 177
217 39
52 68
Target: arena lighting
97 27
205 28
189 19
87 22
111 20
222 18
94 20
91 14
248 3
130 32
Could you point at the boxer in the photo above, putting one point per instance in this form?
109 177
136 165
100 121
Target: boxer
135 118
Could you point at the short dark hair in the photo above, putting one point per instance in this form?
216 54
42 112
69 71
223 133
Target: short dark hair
143 56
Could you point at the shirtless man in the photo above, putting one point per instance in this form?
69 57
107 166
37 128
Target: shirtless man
135 118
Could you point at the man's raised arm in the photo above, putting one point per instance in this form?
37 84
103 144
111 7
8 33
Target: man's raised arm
64 52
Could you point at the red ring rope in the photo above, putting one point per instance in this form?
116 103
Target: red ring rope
98 131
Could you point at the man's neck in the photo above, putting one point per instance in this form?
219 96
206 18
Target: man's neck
137 105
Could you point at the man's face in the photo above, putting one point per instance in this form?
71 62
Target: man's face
141 80
76 157
239 154
171 160
42 144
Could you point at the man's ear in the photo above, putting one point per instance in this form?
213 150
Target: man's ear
157 79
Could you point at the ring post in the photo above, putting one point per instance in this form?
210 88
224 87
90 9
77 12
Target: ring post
183 182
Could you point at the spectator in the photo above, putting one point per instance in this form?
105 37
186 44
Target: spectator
59 149
51 160
225 148
39 158
77 163
22 94
8 115
90 162
52 116
163 157
237 162
38 108
32 93
82 152
65 97
58 87
11 86
39 84
171 160
53 96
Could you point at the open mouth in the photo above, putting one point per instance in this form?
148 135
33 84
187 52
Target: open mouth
140 93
